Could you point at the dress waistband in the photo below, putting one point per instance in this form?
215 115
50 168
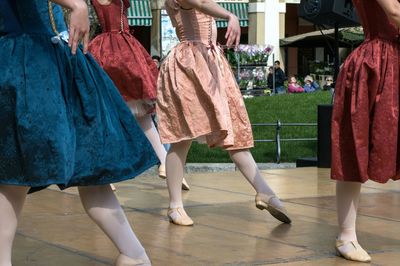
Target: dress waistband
117 31
209 45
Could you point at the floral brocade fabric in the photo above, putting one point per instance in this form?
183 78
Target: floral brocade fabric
121 55
365 122
197 96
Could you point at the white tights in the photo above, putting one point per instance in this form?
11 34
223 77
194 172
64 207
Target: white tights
100 204
149 129
347 199
12 199
243 159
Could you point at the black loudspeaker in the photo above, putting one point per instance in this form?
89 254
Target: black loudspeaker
329 12
324 135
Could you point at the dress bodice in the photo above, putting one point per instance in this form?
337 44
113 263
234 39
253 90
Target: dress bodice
375 21
21 16
110 15
191 24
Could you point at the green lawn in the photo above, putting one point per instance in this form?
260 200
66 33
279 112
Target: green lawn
287 108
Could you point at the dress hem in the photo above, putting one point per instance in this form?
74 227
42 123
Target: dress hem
203 135
380 181
40 186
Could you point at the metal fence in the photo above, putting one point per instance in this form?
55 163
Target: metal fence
278 126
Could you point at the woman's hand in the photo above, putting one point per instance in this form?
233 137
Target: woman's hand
79 23
79 28
232 35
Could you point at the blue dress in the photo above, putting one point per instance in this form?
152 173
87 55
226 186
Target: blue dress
62 121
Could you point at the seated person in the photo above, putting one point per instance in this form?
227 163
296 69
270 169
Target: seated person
280 78
294 86
310 85
328 83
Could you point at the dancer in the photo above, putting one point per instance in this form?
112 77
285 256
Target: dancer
63 122
198 98
365 120
130 67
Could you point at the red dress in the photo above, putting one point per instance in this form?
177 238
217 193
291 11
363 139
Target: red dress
122 56
365 122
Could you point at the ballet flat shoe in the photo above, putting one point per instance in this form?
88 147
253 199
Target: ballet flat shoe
263 202
178 217
356 254
185 185
113 187
124 260
162 173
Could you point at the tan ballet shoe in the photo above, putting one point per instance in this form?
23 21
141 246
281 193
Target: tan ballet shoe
179 217
162 172
357 253
124 260
263 202
185 185
113 187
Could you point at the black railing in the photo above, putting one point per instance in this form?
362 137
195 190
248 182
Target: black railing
278 126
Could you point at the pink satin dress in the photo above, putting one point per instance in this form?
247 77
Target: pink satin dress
365 123
197 94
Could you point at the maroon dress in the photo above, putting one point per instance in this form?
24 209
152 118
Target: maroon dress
122 56
365 122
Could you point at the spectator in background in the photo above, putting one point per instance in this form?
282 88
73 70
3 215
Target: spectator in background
328 84
310 85
294 86
270 78
280 78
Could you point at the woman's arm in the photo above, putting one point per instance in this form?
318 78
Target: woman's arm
211 8
79 23
392 10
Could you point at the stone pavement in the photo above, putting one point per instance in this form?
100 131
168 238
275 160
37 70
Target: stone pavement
228 230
